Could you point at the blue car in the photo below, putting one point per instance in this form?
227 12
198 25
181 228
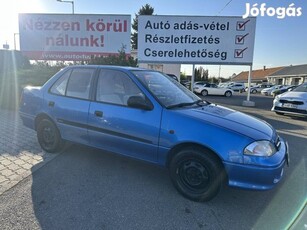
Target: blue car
147 115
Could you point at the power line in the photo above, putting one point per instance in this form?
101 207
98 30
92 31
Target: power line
224 7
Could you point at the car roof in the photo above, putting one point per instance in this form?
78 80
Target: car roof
108 67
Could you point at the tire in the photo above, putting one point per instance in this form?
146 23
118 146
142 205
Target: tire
228 94
254 91
279 113
204 92
197 174
48 136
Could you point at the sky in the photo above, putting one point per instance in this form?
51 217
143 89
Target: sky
278 42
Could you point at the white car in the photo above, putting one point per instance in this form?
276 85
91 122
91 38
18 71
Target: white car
268 91
212 89
258 88
281 90
237 87
292 102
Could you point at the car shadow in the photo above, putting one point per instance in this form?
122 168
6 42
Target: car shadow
86 188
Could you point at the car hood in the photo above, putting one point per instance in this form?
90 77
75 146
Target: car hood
232 120
294 95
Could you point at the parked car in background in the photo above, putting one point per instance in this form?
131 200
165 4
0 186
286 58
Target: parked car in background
186 83
145 115
237 87
197 83
268 91
172 76
257 88
223 85
292 102
212 89
283 89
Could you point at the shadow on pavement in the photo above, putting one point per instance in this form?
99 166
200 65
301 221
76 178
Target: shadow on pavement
84 188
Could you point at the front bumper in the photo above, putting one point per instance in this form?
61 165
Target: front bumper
289 106
290 111
257 177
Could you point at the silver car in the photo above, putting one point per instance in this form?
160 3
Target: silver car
292 102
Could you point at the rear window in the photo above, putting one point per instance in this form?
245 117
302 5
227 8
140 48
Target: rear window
79 83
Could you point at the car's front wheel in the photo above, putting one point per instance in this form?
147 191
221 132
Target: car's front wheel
196 173
254 91
49 136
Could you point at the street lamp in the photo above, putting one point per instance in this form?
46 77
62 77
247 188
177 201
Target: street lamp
72 4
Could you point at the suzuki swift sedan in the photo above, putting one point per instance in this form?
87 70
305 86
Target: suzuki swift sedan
149 116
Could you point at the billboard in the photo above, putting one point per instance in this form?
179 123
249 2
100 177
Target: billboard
73 36
196 39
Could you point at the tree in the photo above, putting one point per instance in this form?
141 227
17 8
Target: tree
145 10
201 74
121 59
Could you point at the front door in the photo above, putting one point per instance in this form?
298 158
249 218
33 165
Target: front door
116 127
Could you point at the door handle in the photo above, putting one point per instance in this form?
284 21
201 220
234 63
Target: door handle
98 113
51 103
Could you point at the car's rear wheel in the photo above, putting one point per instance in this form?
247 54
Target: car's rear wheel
228 94
49 136
197 174
204 92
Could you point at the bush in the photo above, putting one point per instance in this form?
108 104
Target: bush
12 81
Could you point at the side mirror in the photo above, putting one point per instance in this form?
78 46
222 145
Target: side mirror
139 102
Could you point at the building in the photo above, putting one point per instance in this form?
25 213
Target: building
285 75
290 75
257 77
165 68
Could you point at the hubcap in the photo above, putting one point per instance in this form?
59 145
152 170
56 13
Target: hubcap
194 175
48 136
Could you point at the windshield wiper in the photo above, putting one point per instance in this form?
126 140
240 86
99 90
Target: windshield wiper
179 105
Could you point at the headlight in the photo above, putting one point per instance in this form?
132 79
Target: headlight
260 148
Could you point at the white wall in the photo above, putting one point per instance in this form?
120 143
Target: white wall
165 68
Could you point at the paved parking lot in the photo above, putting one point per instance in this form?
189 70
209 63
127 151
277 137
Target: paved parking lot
19 150
85 188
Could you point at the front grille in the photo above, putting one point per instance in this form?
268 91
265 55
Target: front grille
283 109
291 102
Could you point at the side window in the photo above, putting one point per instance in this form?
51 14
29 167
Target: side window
115 87
59 87
79 83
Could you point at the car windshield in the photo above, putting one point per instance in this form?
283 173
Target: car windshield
168 92
301 88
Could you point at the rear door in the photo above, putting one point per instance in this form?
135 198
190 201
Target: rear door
215 90
68 103
115 126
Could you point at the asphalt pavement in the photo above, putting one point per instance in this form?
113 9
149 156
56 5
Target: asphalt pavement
86 188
